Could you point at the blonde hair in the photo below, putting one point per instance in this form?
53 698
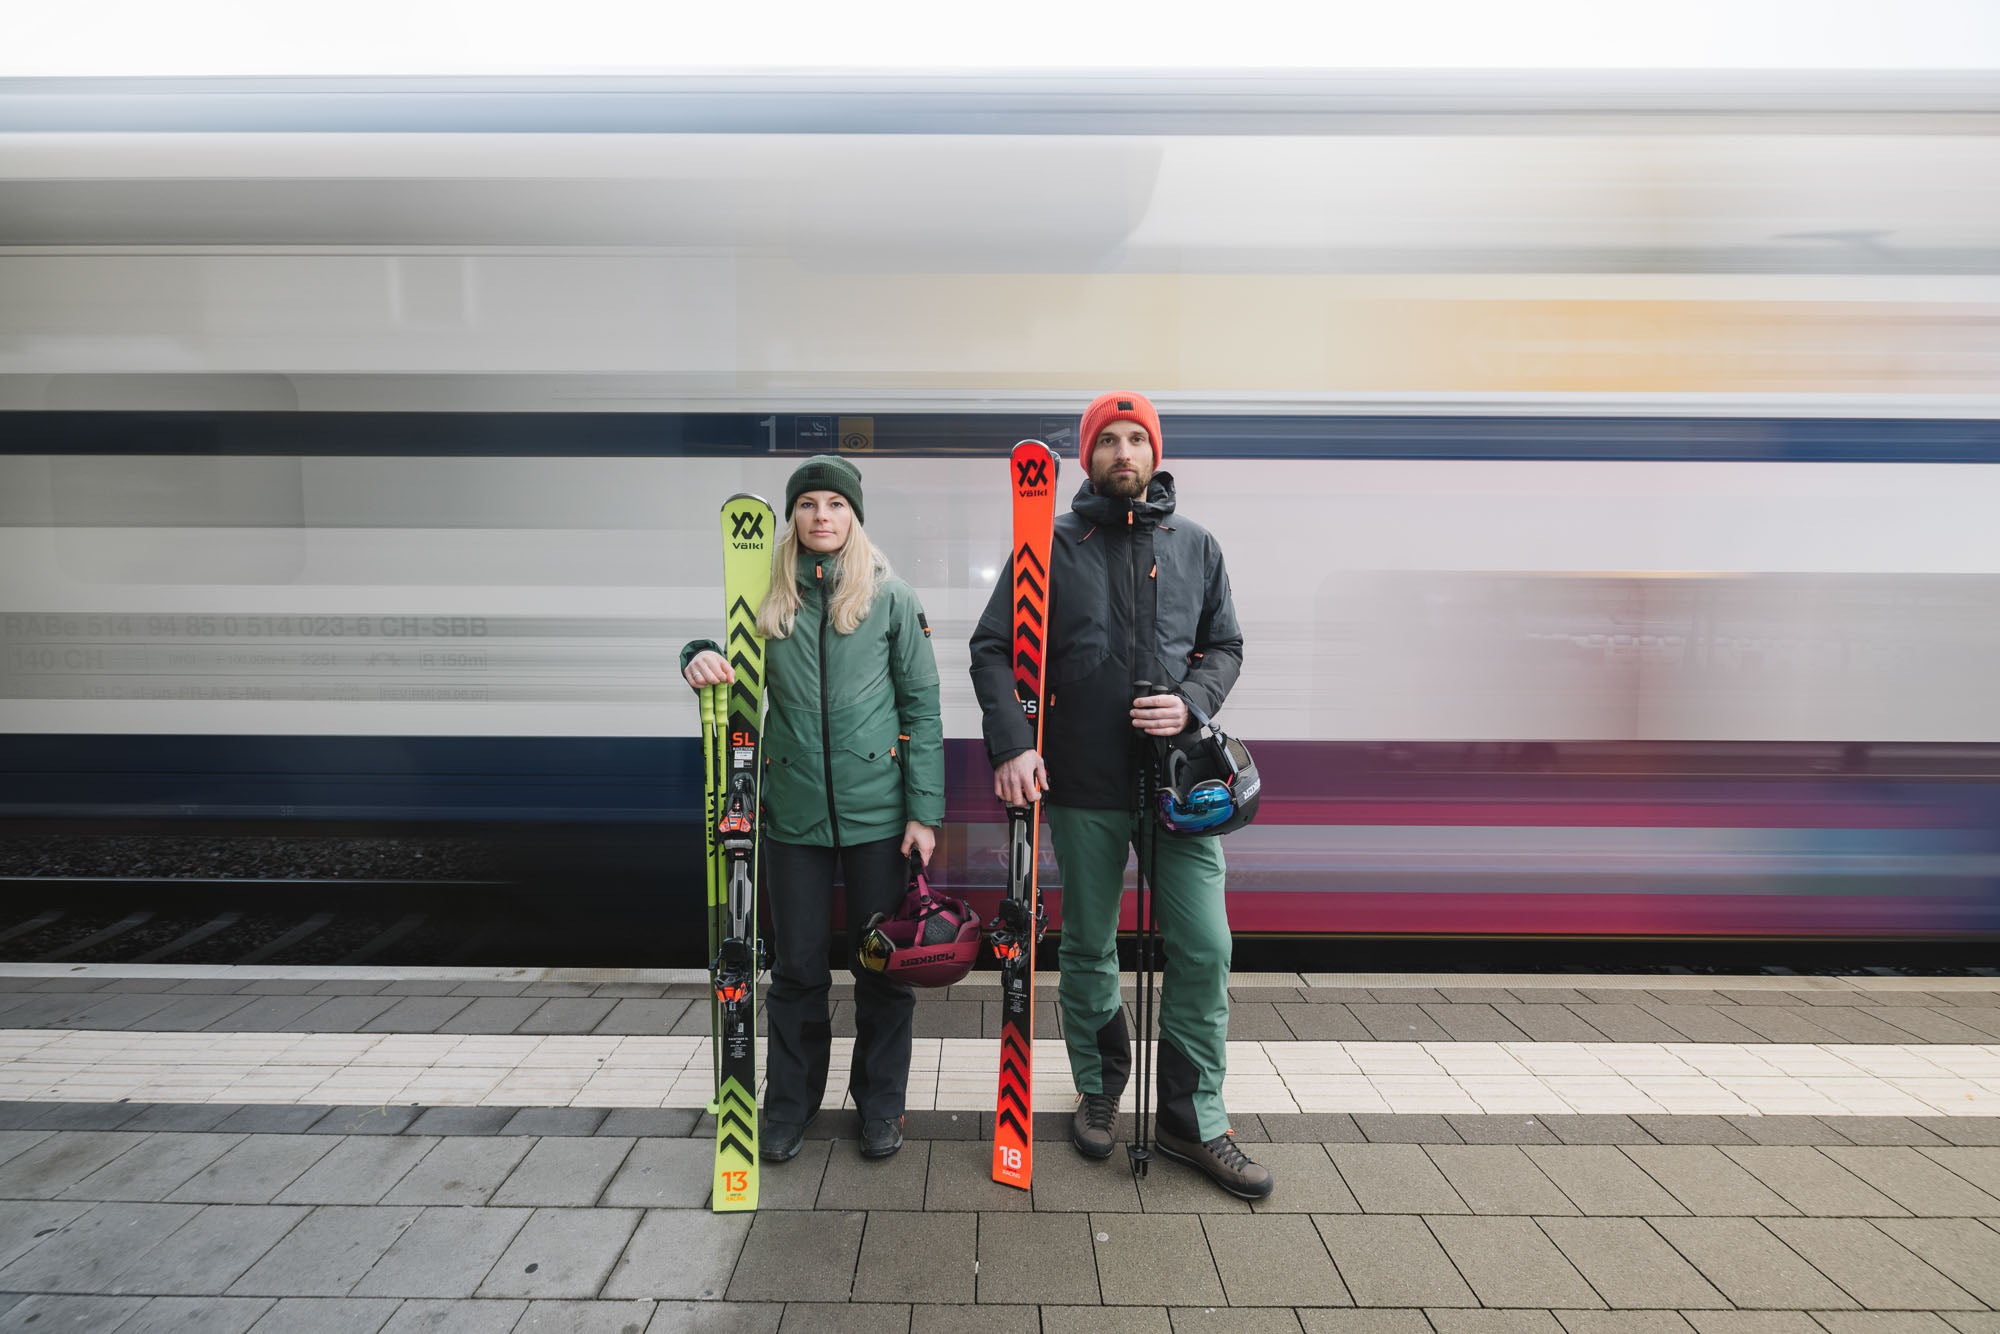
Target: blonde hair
852 597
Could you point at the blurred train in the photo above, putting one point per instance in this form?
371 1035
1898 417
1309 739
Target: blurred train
1605 463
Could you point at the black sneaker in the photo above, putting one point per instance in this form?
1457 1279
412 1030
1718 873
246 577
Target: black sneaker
1222 1159
780 1141
881 1136
1090 1124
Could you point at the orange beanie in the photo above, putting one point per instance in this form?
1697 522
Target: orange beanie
1119 407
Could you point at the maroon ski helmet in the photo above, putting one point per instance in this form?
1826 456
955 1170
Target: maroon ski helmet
931 940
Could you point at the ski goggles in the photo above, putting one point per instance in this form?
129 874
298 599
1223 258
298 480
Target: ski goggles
1208 804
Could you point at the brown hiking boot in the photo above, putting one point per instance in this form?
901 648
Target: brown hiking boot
1222 1159
1090 1124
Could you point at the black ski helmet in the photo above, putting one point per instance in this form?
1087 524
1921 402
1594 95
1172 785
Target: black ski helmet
1209 785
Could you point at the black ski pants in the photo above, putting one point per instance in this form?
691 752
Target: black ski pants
798 1022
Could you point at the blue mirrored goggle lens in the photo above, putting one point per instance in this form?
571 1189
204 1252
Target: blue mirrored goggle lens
1206 807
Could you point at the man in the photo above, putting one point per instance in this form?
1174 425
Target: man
1137 594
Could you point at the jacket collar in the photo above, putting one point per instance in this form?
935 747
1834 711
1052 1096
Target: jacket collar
1111 510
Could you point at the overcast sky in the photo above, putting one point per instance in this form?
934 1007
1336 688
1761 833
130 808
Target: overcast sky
442 37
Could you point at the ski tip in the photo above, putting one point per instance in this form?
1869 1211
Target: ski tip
746 495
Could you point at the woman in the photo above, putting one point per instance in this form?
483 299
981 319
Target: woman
854 775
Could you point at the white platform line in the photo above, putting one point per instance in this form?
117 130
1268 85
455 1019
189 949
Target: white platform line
959 1074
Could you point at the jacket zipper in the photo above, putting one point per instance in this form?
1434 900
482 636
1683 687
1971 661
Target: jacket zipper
825 724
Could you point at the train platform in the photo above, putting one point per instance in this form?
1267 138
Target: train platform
389 1149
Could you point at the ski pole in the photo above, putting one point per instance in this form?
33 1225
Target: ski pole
1139 1151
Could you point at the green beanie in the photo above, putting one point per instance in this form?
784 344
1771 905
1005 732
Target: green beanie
825 472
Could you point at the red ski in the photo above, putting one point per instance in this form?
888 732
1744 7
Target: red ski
1019 924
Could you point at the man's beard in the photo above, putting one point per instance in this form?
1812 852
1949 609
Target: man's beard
1126 486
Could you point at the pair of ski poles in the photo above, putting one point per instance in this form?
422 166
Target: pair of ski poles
1139 1152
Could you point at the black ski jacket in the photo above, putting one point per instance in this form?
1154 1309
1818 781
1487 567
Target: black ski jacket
1135 593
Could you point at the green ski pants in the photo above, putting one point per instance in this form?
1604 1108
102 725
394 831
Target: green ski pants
1093 849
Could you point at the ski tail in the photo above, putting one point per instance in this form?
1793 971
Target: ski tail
1032 467
748 534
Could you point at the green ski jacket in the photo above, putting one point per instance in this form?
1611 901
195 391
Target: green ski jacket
853 737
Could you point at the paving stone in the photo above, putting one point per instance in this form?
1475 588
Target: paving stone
1548 1022
584 1317
567 1015
342 1014
199 1315
1881 1322
1700 1023
1967 1322
716 1318
84 1254
944 1125
1916 1182
1979 1166
1626 1022
326 1315
1709 1130
494 1014
26 1224
1106 1320
286 1119
1814 1183
1392 1262
1501 1129
650 1122
255 1170
1872 1267
59 1162
1887 1130
961 1177
358 1171
455 1317
1312 1128
189 1117
640 1017
155 1167
327 1253
1623 1322
1398 1023
1495 1322
1587 1129
1273 1260
680 1254
1308 1182
549 1122
799 1257
416 1014
1498 1179
1474 1023
1311 1021
1966 1131
841 1318
1782 1023
1936 1025
1232 1320
1856 1026
1037 1258
1257 1021
1753 1322
907 1257
1364 1320
88 1314
562 1253
210 1251
1750 1266
1629 1265
1154 1259
1706 1181
16 1142
1392 1128
1395 1179
446 1252
459 1171
122 1012
462 1121
975 1320
569 1171
854 1182
1963 1250
1509 1262
1601 1181
794 1184
664 1174
1787 1130
88 1115
951 1020
370 1119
